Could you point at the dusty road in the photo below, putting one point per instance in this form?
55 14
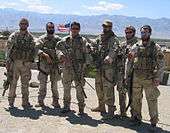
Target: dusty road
51 120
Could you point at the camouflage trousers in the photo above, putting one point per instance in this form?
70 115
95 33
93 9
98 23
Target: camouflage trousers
152 93
67 79
23 70
122 94
104 88
54 77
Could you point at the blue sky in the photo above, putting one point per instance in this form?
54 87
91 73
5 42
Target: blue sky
142 8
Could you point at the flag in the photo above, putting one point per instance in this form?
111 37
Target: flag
63 27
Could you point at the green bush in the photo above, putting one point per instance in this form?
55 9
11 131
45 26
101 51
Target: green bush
90 72
2 55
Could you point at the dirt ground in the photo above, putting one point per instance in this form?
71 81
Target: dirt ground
50 120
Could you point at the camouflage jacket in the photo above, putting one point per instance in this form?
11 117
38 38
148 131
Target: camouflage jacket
128 63
47 45
75 51
103 49
20 47
148 60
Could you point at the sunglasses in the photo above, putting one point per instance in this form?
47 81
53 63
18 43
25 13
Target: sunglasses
75 28
105 26
51 27
130 32
23 23
145 33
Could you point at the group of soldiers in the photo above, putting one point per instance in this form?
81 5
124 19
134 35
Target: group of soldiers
133 66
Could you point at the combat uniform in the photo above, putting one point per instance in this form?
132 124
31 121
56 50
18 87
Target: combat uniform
148 66
125 73
75 51
106 46
20 54
47 45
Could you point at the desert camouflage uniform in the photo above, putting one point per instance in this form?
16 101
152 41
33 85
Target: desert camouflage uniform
148 65
125 73
20 53
75 51
106 76
48 46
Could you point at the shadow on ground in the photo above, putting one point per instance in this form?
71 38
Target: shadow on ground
82 120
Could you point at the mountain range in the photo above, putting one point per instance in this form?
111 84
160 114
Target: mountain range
89 24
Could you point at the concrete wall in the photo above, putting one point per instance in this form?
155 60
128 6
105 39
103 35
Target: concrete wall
167 59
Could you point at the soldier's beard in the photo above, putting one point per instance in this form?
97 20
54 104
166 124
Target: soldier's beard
145 39
51 32
23 29
129 37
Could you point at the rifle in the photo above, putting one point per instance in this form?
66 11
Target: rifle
53 56
75 68
7 82
130 90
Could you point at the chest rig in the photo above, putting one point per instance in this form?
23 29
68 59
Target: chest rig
23 48
145 63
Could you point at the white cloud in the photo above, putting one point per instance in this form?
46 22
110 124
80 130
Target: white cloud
40 8
105 6
29 5
37 6
7 5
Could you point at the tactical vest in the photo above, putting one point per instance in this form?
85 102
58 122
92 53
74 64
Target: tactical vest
103 49
76 49
145 63
49 48
23 48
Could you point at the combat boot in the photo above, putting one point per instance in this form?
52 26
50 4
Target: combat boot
81 111
65 109
55 104
110 115
27 105
135 121
40 104
11 102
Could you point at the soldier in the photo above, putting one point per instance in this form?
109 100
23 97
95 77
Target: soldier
105 53
148 69
125 68
48 64
20 55
74 48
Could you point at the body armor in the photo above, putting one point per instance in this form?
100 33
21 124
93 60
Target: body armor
23 48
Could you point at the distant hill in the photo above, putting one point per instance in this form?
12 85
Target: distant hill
90 24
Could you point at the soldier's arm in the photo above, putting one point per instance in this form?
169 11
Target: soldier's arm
133 52
59 51
113 48
87 51
58 38
10 43
39 46
160 63
61 45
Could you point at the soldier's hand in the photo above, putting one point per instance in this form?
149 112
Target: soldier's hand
62 59
108 60
47 57
156 82
131 56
